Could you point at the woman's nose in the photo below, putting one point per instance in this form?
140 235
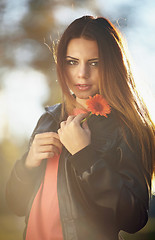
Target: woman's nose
83 71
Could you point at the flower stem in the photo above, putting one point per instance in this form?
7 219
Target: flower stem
85 119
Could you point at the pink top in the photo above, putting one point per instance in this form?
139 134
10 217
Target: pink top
44 220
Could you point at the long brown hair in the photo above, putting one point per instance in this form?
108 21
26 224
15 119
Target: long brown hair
116 81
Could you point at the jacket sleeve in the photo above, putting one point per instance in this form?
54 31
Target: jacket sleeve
115 180
22 181
20 187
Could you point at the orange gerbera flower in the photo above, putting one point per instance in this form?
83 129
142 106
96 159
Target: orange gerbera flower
98 105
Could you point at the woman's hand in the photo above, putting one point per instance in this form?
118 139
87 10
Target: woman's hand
44 145
72 135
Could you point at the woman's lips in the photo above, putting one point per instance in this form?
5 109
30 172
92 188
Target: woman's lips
83 87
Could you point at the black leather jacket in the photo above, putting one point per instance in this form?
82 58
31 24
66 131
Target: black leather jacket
102 189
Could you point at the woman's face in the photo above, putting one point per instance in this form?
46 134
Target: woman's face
82 68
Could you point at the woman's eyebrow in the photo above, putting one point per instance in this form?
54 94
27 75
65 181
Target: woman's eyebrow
92 59
72 57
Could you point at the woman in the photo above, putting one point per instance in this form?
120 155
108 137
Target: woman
96 178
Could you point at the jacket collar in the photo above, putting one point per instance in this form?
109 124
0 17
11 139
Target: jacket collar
55 111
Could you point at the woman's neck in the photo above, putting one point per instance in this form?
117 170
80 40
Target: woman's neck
82 102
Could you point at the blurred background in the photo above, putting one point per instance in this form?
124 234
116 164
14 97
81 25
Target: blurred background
28 80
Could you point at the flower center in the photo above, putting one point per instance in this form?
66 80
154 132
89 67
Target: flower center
98 106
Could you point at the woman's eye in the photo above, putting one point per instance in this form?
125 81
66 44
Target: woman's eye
94 64
71 62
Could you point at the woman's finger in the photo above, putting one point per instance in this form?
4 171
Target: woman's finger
70 119
49 148
46 155
47 139
80 117
46 135
62 124
52 141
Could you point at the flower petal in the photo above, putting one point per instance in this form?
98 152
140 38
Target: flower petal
98 105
